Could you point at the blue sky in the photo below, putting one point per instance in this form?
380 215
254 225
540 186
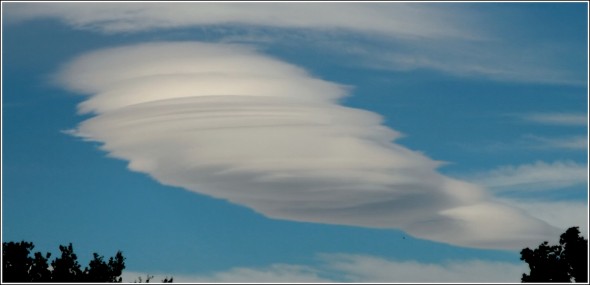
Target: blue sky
343 142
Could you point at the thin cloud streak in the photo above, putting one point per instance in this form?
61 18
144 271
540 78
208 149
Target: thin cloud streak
560 119
495 60
531 142
446 37
338 268
570 143
398 20
229 122
538 176
561 214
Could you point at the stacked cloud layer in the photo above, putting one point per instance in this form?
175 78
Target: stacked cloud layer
232 123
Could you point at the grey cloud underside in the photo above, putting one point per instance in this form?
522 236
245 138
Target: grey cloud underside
229 122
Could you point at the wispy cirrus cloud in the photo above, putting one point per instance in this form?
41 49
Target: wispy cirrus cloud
569 143
401 20
446 37
538 176
561 214
560 119
532 142
274 273
232 123
493 60
337 268
378 270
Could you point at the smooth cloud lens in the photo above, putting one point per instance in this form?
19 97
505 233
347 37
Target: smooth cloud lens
229 122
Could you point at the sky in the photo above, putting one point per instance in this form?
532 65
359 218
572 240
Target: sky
296 142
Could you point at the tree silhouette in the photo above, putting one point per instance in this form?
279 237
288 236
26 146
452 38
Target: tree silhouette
558 263
148 278
40 269
100 271
66 268
18 266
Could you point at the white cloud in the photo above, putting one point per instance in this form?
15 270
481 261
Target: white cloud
378 270
560 214
226 121
493 60
571 143
271 274
537 176
541 143
338 268
530 142
399 19
446 37
564 119
529 179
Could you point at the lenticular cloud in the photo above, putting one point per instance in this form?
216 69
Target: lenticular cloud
229 122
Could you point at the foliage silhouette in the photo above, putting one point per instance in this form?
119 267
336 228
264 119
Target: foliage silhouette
558 263
19 266
148 278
